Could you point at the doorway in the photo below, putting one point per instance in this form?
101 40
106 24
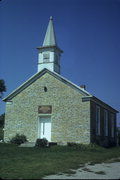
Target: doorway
44 127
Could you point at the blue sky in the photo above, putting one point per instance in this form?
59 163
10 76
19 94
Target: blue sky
88 31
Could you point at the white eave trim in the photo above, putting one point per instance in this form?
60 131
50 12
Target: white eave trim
17 89
84 91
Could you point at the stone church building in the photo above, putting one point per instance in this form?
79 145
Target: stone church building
49 106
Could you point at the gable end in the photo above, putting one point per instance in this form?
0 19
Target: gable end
38 75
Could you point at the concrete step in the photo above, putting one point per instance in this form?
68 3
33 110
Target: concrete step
32 144
28 144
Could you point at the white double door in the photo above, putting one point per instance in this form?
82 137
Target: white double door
45 127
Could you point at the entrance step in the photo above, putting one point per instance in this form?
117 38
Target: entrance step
28 144
32 144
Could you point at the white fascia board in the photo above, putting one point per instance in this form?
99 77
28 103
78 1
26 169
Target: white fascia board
24 84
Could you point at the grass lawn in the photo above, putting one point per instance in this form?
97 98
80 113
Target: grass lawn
35 163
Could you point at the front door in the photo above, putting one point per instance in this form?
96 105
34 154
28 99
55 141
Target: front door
45 127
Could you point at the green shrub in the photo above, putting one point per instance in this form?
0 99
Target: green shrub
79 146
71 144
41 142
94 147
18 139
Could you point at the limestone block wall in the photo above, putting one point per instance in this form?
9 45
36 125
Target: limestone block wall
102 139
70 116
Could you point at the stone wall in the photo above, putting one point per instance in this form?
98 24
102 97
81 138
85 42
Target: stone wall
70 116
102 139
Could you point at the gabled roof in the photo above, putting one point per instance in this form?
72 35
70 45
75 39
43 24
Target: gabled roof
99 102
37 76
86 95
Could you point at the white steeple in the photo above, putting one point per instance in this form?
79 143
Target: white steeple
49 53
50 38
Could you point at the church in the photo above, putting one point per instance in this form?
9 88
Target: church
49 106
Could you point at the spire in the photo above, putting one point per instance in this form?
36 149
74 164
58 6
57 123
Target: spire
49 52
50 38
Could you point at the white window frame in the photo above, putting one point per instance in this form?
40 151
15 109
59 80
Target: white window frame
105 122
112 125
97 120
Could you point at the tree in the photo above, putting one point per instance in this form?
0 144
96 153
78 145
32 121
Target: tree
2 120
2 87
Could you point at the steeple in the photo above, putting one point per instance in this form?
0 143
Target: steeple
49 54
50 38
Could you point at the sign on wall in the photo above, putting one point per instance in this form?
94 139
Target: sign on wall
44 109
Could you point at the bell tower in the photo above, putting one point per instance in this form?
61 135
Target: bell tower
49 53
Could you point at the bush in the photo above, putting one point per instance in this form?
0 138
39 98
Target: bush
41 142
72 144
18 139
79 146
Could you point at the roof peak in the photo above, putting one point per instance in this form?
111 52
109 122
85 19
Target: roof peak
38 75
51 18
50 37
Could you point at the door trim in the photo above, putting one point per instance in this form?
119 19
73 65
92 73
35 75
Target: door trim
43 115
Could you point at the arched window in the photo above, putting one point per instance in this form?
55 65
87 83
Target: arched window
45 89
